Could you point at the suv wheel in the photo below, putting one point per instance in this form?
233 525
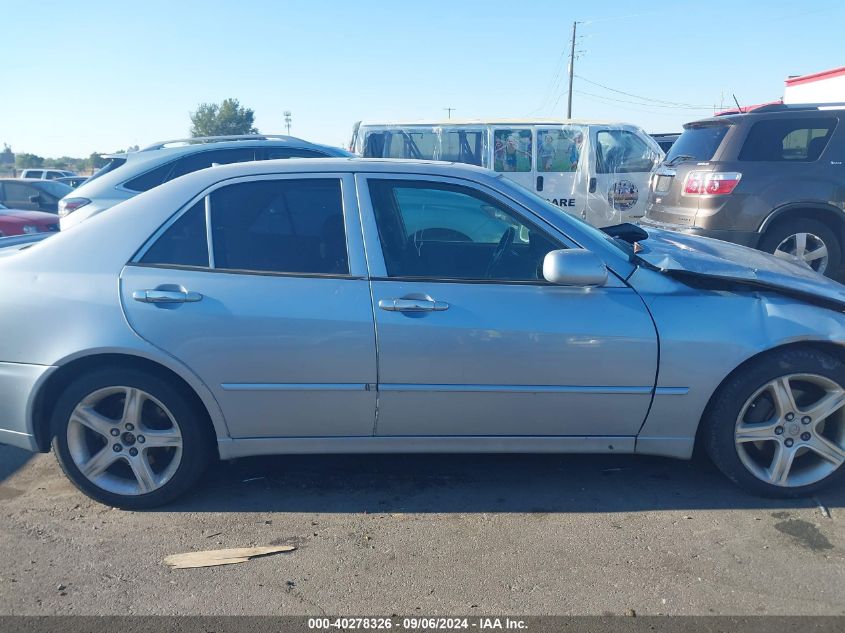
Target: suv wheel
777 428
806 242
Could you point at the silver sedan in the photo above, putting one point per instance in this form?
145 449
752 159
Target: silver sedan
341 305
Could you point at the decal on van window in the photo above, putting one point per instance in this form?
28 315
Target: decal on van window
562 202
623 195
512 150
559 150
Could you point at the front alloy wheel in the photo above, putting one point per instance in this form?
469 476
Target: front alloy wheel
806 249
790 432
776 426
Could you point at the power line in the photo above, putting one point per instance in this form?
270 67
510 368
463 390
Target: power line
649 99
627 107
650 105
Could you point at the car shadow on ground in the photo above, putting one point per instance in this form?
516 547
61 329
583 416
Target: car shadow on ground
473 483
11 460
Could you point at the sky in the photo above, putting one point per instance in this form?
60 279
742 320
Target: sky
99 75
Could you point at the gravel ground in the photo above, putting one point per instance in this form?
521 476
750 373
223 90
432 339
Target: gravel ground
377 535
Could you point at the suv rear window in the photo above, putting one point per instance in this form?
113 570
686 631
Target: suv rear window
800 140
698 142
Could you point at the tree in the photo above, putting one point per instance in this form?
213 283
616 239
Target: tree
26 161
223 119
95 161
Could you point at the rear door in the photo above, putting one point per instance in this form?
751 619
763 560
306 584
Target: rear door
276 317
622 161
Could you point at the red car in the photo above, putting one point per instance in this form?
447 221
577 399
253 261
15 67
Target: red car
18 222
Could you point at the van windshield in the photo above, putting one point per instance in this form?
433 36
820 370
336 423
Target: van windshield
698 142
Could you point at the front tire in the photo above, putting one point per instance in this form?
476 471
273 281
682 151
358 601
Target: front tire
777 428
807 242
128 439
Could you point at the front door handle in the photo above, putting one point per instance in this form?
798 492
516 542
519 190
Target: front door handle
592 185
166 296
539 183
412 305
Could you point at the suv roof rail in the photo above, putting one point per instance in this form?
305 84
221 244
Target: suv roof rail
221 139
785 107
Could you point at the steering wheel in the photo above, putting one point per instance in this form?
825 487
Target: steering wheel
499 253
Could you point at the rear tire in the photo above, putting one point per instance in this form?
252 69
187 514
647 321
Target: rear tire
799 239
128 439
766 427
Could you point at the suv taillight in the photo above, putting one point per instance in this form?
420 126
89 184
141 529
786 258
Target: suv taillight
69 205
711 183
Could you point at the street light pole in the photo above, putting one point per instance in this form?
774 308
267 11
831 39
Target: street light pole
287 120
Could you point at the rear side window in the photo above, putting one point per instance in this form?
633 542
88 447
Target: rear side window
622 152
113 164
799 140
184 243
286 226
32 173
512 150
201 160
698 142
150 179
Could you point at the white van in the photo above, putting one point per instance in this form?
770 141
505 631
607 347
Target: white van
596 170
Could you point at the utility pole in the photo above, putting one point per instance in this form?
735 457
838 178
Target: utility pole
571 70
449 112
287 120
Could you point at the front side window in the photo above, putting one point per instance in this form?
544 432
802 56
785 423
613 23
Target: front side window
286 226
19 191
559 150
800 140
623 152
512 150
442 231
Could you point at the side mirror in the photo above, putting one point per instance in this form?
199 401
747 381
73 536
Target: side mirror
574 267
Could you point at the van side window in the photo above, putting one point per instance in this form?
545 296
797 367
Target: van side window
801 140
512 150
559 149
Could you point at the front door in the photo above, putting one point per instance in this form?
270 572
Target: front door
622 163
473 342
276 316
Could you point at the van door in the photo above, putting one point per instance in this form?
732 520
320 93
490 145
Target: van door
561 175
513 154
622 162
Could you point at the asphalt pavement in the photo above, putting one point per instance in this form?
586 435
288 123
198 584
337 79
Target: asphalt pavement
424 534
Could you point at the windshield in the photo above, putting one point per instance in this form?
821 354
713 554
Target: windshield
698 142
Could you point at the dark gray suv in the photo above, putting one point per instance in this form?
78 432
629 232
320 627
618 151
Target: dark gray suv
772 179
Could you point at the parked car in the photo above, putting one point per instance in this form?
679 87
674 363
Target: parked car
256 334
598 171
666 140
46 174
772 178
72 181
32 195
21 222
126 175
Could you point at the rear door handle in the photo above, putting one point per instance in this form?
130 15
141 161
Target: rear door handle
539 183
166 296
412 305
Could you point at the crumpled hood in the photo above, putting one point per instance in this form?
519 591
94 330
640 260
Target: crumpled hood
682 255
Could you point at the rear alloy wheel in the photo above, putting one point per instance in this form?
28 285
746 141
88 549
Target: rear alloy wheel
779 428
806 242
128 439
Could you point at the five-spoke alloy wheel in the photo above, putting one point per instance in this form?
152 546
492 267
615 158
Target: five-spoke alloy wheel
129 439
778 426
